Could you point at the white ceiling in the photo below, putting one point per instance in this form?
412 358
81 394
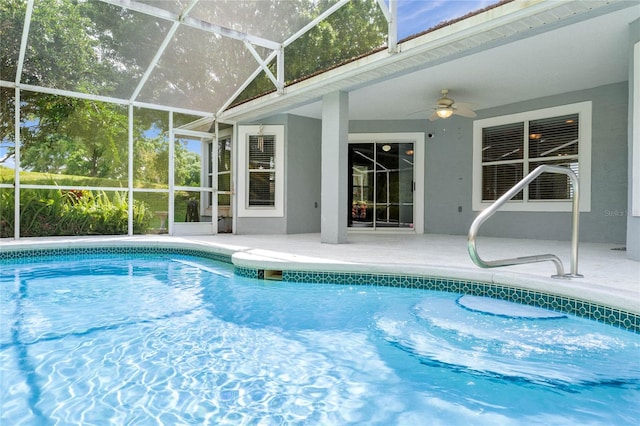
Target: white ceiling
587 54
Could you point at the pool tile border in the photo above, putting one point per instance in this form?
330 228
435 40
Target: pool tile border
580 308
68 253
619 318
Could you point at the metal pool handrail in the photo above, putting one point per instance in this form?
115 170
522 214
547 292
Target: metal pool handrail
489 211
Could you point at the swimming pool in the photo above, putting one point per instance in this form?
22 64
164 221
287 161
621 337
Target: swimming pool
176 339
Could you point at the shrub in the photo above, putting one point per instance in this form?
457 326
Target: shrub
51 212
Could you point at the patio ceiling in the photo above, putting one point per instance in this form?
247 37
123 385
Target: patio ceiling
516 52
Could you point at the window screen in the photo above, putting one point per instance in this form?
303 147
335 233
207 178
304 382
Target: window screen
262 189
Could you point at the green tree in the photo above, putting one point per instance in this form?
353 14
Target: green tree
359 27
151 161
98 48
100 132
86 47
59 54
187 166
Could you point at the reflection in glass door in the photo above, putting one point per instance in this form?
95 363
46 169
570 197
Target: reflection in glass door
381 185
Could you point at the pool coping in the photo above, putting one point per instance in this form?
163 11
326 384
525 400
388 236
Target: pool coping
558 295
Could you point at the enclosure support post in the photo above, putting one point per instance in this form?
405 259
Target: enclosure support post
335 139
16 177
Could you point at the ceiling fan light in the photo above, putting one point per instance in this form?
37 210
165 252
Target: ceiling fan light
444 112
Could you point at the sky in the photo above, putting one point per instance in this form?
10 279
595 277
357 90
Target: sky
416 16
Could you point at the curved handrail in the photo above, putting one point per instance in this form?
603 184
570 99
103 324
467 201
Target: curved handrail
489 211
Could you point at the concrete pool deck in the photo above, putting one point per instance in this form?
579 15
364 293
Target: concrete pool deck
610 278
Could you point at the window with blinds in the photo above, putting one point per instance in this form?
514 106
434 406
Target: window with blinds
511 151
261 162
507 148
261 156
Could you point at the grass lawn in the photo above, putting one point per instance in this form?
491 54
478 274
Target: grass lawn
156 201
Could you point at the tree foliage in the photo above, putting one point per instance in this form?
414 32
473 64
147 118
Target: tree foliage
99 48
357 28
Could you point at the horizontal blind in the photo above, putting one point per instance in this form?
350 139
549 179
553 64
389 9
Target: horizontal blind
502 156
503 143
553 141
261 170
499 178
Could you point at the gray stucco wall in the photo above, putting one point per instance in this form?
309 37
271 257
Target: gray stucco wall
302 198
302 180
606 221
448 171
448 168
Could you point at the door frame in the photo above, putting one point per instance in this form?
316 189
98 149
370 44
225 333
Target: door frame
193 228
418 140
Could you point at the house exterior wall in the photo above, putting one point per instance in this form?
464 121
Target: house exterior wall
605 222
449 160
265 225
302 198
302 180
448 173
633 222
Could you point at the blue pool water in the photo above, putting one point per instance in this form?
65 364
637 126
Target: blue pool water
182 340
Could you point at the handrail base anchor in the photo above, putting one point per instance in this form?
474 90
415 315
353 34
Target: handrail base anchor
566 276
574 275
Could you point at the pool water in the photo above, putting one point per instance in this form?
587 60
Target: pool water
182 340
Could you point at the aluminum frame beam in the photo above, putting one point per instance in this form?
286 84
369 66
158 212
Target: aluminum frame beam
193 22
279 54
391 15
23 43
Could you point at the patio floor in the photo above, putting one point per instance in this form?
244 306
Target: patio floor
610 278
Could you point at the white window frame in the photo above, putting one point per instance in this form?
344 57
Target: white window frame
584 158
635 143
244 132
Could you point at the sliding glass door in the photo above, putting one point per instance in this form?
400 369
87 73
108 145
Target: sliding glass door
381 187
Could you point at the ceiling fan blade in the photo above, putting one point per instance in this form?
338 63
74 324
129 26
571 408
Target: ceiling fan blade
433 117
464 110
467 113
422 111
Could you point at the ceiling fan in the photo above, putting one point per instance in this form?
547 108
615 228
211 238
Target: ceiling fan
445 107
